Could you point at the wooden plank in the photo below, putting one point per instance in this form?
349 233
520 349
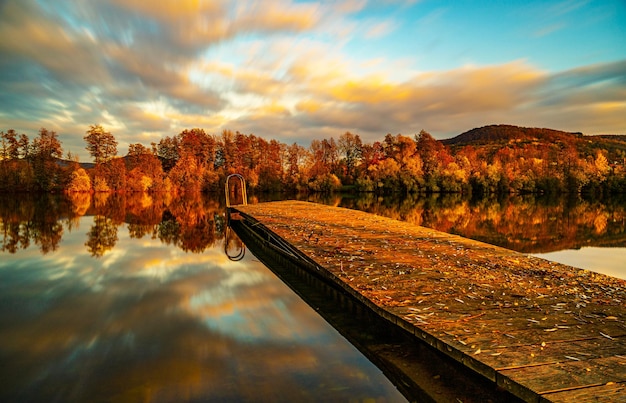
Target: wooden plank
605 393
549 379
536 323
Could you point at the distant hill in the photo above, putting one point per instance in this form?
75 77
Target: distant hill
507 133
495 136
84 165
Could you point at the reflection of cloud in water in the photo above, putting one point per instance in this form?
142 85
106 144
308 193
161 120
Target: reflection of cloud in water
248 307
150 321
609 261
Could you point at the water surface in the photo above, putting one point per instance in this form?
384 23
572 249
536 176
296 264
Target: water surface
111 311
132 297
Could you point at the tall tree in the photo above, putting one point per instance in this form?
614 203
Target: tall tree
168 150
101 144
351 148
9 145
197 144
144 170
226 152
46 150
23 146
296 155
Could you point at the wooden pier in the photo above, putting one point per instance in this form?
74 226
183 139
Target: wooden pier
540 330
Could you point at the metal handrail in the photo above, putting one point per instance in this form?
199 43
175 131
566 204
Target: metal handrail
242 183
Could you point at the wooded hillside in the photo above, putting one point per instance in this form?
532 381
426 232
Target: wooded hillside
490 159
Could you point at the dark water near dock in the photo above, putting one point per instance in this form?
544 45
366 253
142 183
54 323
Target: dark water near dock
135 297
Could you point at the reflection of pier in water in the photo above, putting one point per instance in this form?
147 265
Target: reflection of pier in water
532 327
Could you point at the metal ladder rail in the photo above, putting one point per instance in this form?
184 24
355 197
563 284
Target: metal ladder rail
242 183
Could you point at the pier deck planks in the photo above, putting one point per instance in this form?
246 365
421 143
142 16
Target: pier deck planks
542 330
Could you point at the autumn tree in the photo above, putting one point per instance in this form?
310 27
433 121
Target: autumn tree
103 147
197 144
79 182
435 157
195 169
226 153
372 154
9 145
15 172
270 169
324 156
116 173
46 150
385 175
144 171
168 151
351 148
101 144
23 146
294 173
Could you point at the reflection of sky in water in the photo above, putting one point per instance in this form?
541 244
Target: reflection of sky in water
148 321
610 261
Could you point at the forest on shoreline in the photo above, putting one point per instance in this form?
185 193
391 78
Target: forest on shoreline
499 159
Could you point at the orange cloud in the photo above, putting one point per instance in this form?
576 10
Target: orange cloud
276 15
28 34
171 9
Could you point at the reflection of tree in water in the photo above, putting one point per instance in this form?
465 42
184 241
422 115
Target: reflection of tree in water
48 235
528 223
15 236
168 229
36 219
81 201
143 213
102 236
190 223
194 222
111 205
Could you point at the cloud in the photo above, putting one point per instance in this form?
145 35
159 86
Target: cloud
377 30
28 34
547 30
278 68
372 103
167 10
441 102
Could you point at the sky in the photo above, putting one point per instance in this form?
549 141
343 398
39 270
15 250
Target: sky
295 71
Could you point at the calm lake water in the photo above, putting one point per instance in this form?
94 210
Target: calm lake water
148 321
143 298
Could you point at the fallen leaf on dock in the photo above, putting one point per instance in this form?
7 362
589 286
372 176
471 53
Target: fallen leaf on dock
607 336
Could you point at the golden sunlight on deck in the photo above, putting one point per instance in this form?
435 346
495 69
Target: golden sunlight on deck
540 330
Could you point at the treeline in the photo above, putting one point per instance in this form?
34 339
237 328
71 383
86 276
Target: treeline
194 161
